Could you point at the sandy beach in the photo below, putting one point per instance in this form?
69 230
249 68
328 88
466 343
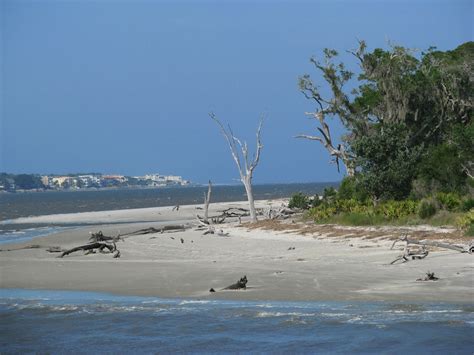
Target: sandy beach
280 265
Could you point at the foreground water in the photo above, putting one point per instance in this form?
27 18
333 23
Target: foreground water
84 322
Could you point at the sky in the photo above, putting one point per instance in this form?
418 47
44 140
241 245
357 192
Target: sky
126 87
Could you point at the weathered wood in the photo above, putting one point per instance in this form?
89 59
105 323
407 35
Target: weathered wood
241 159
207 200
163 229
239 285
433 243
430 276
100 237
97 245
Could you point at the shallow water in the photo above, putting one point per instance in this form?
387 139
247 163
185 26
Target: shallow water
83 322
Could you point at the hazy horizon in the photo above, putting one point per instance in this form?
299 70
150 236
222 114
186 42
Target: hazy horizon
126 87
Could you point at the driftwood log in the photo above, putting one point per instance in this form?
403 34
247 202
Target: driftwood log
430 276
239 285
163 229
90 248
100 237
420 251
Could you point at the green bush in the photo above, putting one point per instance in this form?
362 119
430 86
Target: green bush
426 209
449 201
467 204
397 209
329 193
350 188
322 213
299 200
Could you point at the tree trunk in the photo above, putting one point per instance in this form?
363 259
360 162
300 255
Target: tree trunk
247 181
207 200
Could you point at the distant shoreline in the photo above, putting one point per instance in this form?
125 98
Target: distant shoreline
193 185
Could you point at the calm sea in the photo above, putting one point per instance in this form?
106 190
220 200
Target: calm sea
14 205
83 322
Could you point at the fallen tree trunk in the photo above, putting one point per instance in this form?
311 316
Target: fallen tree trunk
90 247
421 253
433 243
239 285
151 230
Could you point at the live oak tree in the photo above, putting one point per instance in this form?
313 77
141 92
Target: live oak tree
240 154
404 105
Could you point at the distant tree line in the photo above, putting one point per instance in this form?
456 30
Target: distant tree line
20 181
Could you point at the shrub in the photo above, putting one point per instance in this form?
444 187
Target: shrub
322 212
467 204
427 209
397 209
329 193
466 221
350 188
449 201
299 200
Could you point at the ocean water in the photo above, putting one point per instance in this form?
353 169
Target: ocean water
15 205
86 322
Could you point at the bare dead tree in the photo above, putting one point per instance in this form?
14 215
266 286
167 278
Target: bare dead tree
207 200
240 154
338 105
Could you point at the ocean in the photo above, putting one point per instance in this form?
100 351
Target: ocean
85 322
15 205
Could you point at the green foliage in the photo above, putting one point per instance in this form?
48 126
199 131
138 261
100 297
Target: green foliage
397 209
467 204
449 201
329 193
466 222
389 210
442 165
28 182
299 200
387 162
350 188
426 209
409 119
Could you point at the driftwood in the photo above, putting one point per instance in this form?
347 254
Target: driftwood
413 253
430 276
239 285
282 213
90 248
100 237
151 230
232 212
433 243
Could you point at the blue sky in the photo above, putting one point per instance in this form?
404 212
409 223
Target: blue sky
126 86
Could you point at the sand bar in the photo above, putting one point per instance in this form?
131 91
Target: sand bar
280 265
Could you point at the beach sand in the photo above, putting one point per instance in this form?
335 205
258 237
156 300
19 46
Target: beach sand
280 265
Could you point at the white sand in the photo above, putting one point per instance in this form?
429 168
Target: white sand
160 265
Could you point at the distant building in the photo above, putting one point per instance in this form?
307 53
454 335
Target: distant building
45 180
